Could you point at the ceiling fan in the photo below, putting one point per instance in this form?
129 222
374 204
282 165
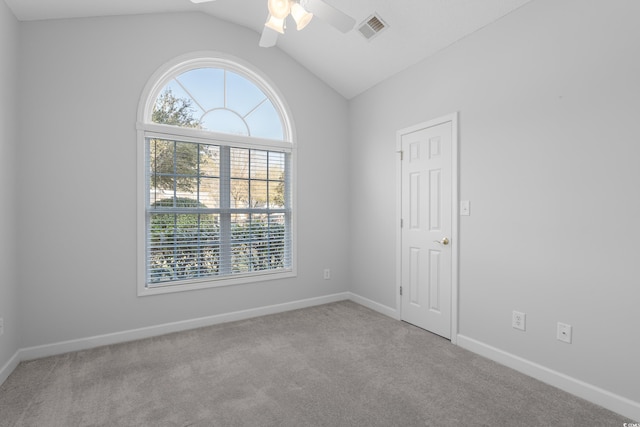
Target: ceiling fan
302 11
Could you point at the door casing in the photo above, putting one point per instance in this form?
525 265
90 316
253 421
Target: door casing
453 118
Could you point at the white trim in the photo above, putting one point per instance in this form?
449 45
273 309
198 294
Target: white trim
9 367
161 131
455 226
597 395
141 212
207 282
167 328
455 247
375 306
399 158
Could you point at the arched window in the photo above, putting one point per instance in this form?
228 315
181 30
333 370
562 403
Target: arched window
215 158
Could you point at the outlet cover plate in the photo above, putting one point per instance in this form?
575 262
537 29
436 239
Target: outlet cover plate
519 320
564 332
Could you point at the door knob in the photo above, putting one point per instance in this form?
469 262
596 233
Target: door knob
444 241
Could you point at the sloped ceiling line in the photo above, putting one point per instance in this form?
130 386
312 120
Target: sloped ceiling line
347 62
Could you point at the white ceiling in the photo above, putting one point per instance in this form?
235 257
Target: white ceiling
347 62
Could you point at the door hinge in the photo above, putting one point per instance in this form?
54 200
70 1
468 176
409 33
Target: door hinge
400 290
401 222
401 155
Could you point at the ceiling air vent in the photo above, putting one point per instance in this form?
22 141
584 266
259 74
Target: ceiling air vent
372 26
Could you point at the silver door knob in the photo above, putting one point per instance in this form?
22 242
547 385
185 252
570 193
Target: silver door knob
444 241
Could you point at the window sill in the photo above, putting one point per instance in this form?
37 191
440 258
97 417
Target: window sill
206 283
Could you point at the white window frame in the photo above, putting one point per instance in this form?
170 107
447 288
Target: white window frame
147 129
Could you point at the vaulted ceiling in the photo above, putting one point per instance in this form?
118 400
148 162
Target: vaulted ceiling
347 62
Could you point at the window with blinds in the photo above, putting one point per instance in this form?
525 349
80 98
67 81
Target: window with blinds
217 209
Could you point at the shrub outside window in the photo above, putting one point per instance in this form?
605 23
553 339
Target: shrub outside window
217 180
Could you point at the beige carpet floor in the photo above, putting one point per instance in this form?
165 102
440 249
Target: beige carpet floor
333 365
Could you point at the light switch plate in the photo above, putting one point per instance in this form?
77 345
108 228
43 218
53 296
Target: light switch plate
465 208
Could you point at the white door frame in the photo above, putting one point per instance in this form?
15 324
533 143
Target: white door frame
453 118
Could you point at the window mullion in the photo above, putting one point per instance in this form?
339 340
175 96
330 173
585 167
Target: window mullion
199 254
225 215
175 216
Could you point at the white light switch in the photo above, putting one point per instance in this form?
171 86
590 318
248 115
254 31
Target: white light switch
465 208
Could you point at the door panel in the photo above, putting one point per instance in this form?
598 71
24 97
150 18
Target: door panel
426 209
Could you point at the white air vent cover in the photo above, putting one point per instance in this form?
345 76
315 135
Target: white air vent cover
372 26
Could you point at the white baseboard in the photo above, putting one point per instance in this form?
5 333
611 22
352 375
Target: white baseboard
383 309
604 398
9 367
37 352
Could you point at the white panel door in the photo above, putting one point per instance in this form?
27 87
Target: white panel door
426 235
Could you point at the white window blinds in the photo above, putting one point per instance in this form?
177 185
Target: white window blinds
215 211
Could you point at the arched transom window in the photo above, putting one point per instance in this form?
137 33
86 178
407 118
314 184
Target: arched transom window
216 152
220 100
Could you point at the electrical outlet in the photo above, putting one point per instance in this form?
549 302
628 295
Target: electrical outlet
1 326
327 274
564 332
519 320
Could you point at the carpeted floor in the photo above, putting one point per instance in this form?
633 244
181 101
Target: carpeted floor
333 365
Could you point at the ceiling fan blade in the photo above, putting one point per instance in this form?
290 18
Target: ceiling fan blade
333 16
268 38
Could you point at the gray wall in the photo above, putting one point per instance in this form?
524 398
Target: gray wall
549 103
80 83
9 342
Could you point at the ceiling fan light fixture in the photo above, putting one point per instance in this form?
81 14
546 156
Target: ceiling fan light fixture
276 24
279 8
300 15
